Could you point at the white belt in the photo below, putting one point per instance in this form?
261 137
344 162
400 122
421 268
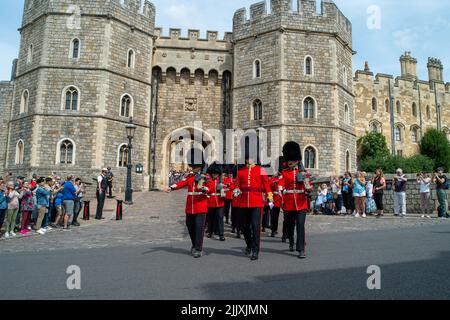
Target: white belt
195 193
295 191
215 194
277 193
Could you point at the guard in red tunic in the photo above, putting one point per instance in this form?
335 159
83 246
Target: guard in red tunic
228 182
236 218
295 185
216 202
197 201
252 182
277 203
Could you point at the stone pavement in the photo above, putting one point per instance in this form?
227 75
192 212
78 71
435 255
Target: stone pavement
158 218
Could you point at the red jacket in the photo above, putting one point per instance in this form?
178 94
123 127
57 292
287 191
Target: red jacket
277 195
229 186
294 193
214 200
197 202
253 182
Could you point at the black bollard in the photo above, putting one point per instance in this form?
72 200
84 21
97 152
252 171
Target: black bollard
119 210
86 213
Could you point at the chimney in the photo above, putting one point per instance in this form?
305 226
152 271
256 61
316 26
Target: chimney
435 70
408 65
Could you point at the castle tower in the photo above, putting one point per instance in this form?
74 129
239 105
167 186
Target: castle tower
84 69
298 66
435 70
408 66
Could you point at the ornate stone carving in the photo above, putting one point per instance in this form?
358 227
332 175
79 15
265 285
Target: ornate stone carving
190 104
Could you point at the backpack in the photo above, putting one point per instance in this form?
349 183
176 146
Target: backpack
446 184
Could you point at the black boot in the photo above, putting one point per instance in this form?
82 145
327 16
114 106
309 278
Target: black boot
273 234
283 238
255 256
248 251
291 248
238 235
222 238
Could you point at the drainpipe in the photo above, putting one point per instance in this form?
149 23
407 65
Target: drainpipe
391 95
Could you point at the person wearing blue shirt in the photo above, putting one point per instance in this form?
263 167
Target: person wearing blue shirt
3 203
69 195
43 192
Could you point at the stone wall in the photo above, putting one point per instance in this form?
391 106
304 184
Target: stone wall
6 97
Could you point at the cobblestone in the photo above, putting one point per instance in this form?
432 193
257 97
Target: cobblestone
158 218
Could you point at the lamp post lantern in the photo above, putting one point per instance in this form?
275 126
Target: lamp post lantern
130 129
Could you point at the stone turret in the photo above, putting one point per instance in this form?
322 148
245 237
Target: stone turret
408 66
435 70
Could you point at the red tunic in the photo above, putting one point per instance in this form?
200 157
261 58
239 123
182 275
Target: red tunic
277 195
196 203
228 182
253 182
214 200
294 193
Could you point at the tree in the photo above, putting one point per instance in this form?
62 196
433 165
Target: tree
372 145
436 146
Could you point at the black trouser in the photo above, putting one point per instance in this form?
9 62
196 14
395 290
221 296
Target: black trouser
251 223
296 220
196 227
227 209
100 204
2 217
236 223
78 205
266 218
274 218
110 186
215 221
285 233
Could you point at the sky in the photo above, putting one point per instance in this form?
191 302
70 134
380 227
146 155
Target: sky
382 29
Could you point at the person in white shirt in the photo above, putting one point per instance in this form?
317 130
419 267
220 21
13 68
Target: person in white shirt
424 181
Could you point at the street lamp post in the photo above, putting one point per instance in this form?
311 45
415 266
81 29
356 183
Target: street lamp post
130 129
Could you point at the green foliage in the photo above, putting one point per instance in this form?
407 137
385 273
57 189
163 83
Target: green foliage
372 145
390 164
436 146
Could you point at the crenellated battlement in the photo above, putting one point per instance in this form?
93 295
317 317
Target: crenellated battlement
138 13
305 17
193 35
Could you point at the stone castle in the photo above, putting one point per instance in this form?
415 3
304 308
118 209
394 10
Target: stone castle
86 67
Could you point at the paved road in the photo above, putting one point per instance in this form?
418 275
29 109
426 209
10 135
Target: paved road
414 265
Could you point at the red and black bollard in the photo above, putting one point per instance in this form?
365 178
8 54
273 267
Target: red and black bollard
86 211
119 210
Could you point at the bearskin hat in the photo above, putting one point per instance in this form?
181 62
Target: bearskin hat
292 152
215 168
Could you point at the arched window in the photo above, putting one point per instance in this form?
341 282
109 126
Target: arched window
387 106
399 107
130 59
346 114
398 132
66 152
428 113
347 161
375 127
71 97
126 106
374 105
309 66
414 134
257 110
310 158
185 76
20 148
122 156
30 54
257 69
24 101
309 107
75 48
414 109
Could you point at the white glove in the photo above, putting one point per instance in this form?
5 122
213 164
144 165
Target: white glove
271 205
